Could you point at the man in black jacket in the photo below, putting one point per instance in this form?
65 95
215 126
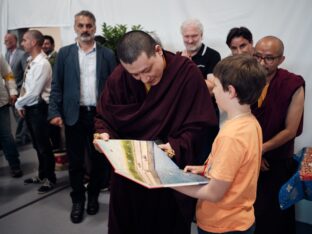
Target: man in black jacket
79 75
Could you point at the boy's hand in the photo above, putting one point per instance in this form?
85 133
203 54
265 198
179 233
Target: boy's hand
195 169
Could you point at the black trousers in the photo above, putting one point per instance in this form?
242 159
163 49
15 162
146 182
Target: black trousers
79 141
36 120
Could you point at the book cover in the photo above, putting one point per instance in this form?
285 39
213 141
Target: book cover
145 163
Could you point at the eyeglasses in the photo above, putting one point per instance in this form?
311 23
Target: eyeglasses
267 59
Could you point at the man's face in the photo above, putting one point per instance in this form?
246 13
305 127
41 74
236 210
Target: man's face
85 28
28 43
192 38
10 42
47 46
268 54
147 70
240 45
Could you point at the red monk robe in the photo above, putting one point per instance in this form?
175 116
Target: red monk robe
178 109
271 116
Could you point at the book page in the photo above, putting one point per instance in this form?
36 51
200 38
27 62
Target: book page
145 163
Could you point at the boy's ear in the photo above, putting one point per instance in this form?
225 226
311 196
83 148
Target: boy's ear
232 91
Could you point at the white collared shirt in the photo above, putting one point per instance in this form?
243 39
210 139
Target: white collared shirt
87 64
37 83
11 56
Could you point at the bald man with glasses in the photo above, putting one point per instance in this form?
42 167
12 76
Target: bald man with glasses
280 113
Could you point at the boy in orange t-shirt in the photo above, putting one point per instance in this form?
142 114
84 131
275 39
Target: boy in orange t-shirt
225 204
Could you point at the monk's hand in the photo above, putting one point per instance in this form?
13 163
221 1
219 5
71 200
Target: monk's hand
99 136
265 166
168 149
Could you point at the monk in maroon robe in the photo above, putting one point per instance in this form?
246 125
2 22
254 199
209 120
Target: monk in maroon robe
280 114
153 95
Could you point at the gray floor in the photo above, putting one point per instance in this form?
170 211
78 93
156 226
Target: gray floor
24 211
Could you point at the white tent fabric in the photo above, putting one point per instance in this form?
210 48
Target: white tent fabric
290 20
38 13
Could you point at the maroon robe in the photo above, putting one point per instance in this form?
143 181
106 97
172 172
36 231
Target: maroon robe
272 116
178 109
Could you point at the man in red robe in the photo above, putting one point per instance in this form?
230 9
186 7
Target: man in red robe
280 114
153 95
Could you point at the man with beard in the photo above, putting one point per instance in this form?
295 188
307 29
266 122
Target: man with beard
48 49
55 131
153 95
79 74
205 58
280 113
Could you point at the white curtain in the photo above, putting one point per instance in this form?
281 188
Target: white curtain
38 13
3 23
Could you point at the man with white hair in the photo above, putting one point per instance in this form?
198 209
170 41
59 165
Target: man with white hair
205 58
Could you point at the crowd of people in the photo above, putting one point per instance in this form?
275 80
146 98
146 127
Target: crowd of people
153 94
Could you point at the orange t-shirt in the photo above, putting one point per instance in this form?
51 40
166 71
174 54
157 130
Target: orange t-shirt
235 157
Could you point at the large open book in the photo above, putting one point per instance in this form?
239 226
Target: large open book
145 163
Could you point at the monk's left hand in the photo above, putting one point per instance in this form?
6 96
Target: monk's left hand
168 149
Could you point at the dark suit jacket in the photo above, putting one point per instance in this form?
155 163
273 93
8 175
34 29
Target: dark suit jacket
18 65
65 91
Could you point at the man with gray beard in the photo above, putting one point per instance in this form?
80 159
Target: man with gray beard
79 75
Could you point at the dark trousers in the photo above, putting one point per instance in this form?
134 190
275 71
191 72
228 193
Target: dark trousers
55 137
22 135
36 119
270 218
79 140
6 138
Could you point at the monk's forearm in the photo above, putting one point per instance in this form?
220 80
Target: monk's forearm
278 140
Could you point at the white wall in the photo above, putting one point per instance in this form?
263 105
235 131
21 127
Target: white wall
290 20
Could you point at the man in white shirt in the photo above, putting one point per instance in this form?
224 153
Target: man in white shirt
32 104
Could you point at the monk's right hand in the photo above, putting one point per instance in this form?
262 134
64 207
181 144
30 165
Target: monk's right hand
99 136
57 121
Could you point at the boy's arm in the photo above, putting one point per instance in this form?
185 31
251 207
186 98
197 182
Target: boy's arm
214 191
